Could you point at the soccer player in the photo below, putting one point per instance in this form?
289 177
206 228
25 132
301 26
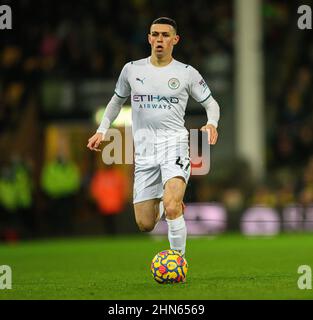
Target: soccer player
159 87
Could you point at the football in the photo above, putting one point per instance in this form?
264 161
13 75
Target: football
169 266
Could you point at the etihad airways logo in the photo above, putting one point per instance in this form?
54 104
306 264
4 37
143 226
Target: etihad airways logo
150 101
153 98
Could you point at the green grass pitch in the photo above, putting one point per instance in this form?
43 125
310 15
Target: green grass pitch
224 267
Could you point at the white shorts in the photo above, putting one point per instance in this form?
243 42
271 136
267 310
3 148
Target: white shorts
151 176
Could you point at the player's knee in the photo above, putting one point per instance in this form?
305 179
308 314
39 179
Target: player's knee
144 226
172 209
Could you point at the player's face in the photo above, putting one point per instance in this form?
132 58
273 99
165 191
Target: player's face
162 38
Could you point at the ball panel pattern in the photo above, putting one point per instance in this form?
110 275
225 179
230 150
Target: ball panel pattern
169 266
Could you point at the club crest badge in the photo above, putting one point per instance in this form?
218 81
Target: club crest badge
173 83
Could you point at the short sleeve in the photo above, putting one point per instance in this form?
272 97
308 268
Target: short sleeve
122 88
199 90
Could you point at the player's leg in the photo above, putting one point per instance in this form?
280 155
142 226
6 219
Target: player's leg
175 175
174 191
148 191
147 214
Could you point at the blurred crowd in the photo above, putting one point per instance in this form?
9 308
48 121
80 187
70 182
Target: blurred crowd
289 87
57 203
93 39
76 39
292 134
66 199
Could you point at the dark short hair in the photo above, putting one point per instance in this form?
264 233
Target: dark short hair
166 20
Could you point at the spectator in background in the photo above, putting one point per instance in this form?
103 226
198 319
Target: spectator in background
8 206
16 200
24 193
109 188
60 181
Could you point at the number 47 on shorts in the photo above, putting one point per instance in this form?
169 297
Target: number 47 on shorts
184 165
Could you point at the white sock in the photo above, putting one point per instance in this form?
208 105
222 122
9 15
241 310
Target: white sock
177 233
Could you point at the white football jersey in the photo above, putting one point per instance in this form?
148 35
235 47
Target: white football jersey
159 97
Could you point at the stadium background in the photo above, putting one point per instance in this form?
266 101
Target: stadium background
58 68
59 65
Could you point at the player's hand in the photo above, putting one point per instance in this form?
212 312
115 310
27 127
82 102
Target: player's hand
212 133
94 141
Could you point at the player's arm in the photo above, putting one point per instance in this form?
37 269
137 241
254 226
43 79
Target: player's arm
111 112
213 113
